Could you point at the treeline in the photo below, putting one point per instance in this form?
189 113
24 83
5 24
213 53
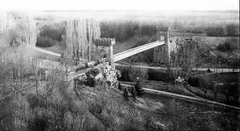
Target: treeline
125 30
122 31
220 31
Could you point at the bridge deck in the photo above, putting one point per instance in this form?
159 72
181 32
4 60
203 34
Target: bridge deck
133 51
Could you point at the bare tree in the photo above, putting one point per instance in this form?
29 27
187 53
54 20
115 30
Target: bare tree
79 35
185 57
203 84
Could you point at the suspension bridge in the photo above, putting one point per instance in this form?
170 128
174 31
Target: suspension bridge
162 38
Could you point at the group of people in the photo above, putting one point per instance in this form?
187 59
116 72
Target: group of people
136 90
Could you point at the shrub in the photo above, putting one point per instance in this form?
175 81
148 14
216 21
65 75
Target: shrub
224 47
216 31
138 72
232 30
193 81
197 30
158 75
229 45
44 41
124 74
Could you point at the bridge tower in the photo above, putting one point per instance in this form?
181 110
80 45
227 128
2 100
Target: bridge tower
162 53
106 44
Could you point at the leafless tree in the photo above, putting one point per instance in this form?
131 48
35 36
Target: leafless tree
185 56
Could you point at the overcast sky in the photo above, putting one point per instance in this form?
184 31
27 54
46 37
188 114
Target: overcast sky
119 5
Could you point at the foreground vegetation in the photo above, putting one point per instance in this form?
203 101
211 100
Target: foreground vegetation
60 106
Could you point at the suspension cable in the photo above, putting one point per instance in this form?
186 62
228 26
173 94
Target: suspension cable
152 38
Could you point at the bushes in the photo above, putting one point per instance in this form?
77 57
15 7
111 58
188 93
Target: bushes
232 30
216 31
229 45
228 30
224 47
131 73
158 75
193 81
45 41
138 72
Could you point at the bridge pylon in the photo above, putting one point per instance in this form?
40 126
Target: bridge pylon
162 53
105 45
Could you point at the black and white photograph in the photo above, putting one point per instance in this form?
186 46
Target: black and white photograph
119 65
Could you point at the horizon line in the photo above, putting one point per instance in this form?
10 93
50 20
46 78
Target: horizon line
113 10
